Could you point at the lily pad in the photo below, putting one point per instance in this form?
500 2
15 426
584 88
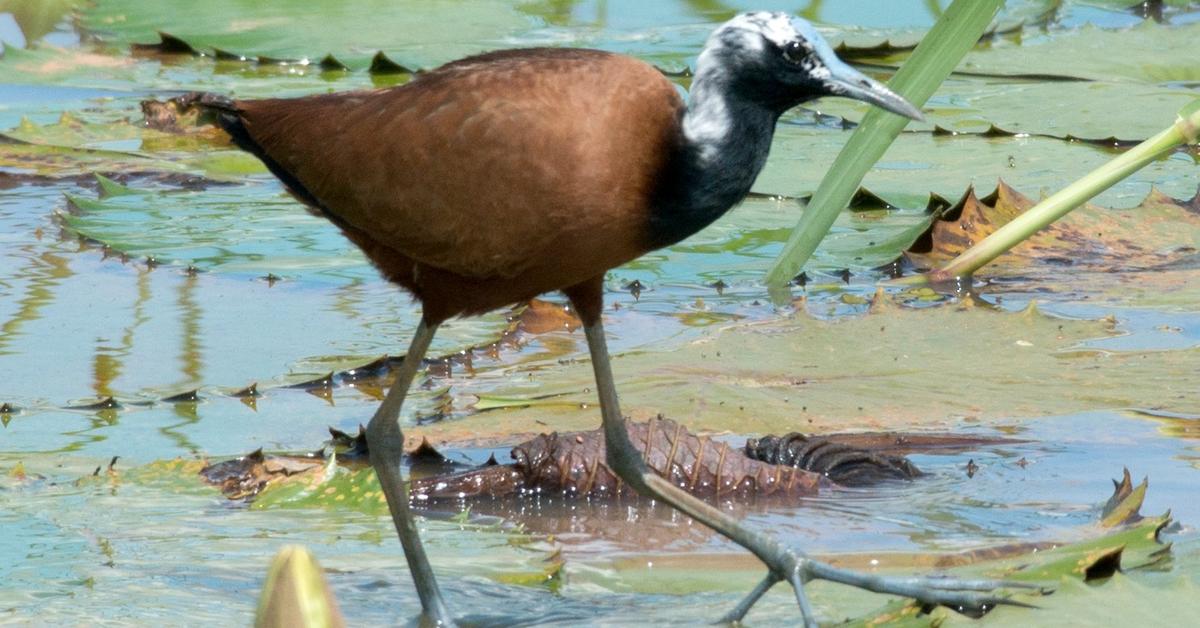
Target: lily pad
353 31
204 229
864 372
1068 569
1096 243
1125 110
1137 54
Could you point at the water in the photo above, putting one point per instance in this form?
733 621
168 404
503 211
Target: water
80 548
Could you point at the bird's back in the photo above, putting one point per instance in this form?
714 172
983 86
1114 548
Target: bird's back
533 166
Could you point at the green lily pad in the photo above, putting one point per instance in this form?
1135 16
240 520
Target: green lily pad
866 372
254 230
1095 110
332 487
1078 573
353 31
70 131
63 162
1140 54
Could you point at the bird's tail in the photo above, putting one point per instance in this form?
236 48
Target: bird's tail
210 108
229 116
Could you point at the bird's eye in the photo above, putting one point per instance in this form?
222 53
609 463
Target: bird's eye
794 52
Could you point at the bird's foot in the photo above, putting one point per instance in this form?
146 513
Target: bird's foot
970 597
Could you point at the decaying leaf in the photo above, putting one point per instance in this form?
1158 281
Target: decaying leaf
1159 232
245 476
573 464
1126 502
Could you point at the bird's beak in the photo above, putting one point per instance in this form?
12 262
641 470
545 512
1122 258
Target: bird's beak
845 81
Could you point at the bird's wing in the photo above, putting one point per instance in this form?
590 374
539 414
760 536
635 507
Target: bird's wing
479 167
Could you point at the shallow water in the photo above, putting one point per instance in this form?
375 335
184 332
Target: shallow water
138 550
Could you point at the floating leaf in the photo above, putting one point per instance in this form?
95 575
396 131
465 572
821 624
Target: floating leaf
329 487
204 229
865 371
354 32
37 18
496 402
1098 53
1159 232
1057 568
550 578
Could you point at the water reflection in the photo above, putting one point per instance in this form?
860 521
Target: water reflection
191 354
42 273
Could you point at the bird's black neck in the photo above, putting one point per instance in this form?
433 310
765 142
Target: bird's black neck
722 148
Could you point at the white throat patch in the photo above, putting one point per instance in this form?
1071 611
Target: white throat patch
707 123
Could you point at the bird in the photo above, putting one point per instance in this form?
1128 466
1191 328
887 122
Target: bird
502 176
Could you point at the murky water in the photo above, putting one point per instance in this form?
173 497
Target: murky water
288 300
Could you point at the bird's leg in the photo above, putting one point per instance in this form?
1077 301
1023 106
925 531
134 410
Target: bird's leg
784 564
385 442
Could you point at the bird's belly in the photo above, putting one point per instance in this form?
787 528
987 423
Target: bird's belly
445 293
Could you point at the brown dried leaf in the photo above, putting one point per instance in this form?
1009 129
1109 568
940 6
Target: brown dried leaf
247 475
1126 502
1160 231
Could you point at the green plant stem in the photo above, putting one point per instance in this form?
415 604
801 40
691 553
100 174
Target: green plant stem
1041 215
955 33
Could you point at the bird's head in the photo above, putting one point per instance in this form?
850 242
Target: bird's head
781 61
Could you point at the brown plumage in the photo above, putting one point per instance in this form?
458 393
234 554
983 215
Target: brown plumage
487 181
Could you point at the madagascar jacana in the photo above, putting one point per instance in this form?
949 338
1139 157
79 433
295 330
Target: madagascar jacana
493 179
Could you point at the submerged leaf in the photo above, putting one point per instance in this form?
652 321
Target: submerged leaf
539 317
550 578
